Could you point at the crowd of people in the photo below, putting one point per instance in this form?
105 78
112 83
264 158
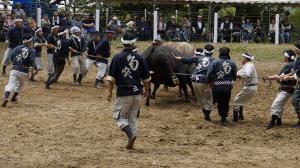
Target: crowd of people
173 29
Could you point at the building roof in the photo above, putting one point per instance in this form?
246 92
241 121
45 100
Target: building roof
209 1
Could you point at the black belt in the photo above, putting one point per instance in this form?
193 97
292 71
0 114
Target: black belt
251 85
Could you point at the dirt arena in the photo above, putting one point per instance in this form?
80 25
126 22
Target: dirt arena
71 126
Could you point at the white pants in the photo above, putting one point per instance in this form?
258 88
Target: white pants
242 98
101 68
38 63
16 81
204 95
79 64
50 63
279 102
7 56
126 111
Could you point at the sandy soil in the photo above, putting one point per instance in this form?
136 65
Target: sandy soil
71 126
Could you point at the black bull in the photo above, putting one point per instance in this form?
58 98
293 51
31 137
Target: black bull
166 70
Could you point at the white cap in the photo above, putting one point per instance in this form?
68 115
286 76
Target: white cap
75 30
247 55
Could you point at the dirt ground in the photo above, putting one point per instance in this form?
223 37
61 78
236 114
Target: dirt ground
71 126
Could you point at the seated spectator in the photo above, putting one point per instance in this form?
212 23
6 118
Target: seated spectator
89 25
18 11
2 27
226 29
144 30
286 30
115 25
161 28
247 30
46 25
65 22
5 11
258 31
236 31
55 19
25 20
272 29
77 21
198 29
31 27
185 29
11 20
173 29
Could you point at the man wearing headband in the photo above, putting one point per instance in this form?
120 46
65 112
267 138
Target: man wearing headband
77 46
202 90
92 58
61 54
295 74
250 80
285 90
14 37
103 50
23 62
38 43
52 40
221 75
128 70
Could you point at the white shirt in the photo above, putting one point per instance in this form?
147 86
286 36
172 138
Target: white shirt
248 72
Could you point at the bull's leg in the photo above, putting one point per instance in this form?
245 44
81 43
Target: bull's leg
179 91
148 97
182 83
189 82
156 86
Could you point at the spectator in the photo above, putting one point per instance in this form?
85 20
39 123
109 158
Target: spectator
247 29
185 31
25 19
31 27
77 21
3 29
18 11
272 29
5 11
259 33
11 20
198 29
65 22
143 29
226 29
286 29
161 30
236 31
88 25
46 25
55 19
115 25
173 29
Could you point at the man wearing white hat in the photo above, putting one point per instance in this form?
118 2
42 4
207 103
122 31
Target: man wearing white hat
14 37
38 43
250 80
77 46
285 90
23 62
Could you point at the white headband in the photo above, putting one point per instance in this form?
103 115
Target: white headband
209 52
54 27
288 56
38 30
198 53
248 56
128 42
26 41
